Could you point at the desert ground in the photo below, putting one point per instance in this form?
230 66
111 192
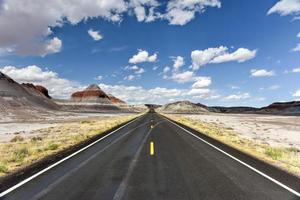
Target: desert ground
34 126
282 131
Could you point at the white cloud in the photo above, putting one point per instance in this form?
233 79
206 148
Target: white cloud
286 7
159 95
155 68
220 55
199 91
99 78
136 69
274 87
202 82
183 77
95 34
43 15
180 12
53 46
296 94
139 95
178 62
142 7
139 71
297 48
58 87
166 69
298 35
238 96
142 56
296 70
129 77
261 73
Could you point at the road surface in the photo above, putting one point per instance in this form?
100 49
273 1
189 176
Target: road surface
151 158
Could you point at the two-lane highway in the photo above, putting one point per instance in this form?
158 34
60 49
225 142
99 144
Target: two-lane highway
125 166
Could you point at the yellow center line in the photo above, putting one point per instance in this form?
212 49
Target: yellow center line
151 148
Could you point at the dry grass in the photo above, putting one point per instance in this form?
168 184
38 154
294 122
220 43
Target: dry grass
20 152
282 157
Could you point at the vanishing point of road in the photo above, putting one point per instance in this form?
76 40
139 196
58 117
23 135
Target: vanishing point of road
153 158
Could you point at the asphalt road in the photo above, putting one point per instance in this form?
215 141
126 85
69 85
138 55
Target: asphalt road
121 167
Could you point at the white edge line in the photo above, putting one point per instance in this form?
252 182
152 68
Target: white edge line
60 161
241 162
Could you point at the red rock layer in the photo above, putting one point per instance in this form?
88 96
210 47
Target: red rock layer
38 88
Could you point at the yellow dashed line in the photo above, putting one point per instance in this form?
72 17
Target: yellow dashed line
151 148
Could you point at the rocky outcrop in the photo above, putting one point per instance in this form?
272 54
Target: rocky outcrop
115 100
37 88
292 107
92 94
237 109
22 100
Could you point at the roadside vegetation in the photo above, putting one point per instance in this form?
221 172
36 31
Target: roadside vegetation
287 158
22 151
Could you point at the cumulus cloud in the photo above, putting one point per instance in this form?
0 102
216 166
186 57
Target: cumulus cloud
220 55
297 48
58 87
99 78
138 71
180 12
166 69
145 10
43 15
261 73
238 96
286 7
183 77
95 34
129 77
139 95
296 93
201 82
296 70
178 62
142 56
160 95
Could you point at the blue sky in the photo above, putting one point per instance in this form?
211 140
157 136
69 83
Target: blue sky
229 53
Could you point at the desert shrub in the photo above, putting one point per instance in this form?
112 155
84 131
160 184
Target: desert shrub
274 153
52 146
85 122
20 154
3 168
17 138
36 139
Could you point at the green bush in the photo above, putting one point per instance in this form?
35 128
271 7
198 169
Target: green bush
52 146
20 154
3 168
274 153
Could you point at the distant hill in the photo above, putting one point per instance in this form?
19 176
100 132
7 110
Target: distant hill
183 107
23 101
280 108
292 107
92 94
14 95
240 109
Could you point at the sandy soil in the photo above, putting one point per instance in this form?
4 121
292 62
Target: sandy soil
9 129
273 130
